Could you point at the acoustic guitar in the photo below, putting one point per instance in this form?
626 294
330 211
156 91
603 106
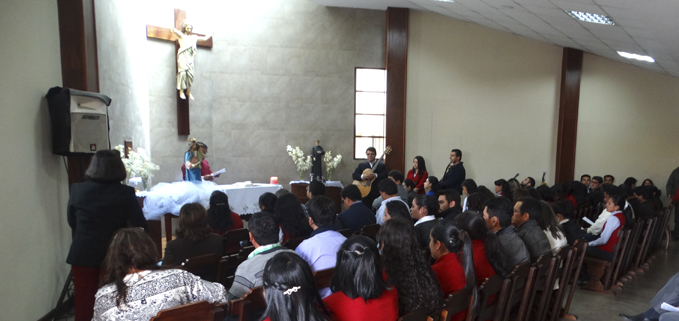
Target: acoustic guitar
364 185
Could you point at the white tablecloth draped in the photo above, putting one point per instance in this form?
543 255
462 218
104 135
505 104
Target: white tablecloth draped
170 197
327 183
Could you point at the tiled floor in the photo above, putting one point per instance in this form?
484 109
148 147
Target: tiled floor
634 298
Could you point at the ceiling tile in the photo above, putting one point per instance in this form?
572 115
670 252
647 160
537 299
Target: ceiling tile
575 6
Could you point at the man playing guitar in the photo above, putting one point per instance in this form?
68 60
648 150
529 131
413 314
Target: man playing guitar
379 172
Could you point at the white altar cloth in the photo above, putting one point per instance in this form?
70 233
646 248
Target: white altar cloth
170 197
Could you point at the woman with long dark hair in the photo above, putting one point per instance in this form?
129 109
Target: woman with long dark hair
447 241
407 270
194 238
360 293
290 290
221 217
431 185
289 215
418 174
136 288
502 188
96 209
397 210
550 225
489 259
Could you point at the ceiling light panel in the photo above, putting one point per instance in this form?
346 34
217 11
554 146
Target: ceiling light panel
629 55
591 17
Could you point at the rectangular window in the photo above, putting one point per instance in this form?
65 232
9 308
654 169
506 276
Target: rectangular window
370 108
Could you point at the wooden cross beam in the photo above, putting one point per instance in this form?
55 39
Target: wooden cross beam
183 126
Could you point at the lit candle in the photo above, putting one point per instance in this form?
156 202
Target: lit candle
274 180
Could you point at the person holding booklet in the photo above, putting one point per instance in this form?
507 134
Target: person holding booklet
205 171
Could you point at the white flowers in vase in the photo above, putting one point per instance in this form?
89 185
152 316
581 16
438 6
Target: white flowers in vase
331 163
303 164
137 164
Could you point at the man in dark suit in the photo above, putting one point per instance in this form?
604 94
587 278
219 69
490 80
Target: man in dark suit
356 216
455 173
423 210
379 173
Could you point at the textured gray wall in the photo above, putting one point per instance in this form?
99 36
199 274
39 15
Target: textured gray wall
278 75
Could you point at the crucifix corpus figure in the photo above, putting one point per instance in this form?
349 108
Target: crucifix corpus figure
185 54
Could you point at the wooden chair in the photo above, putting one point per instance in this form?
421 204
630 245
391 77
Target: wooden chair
245 251
370 231
626 269
518 292
195 311
346 232
579 248
232 239
492 300
456 303
251 301
562 276
543 286
294 242
415 316
205 266
322 277
643 246
227 268
600 271
618 265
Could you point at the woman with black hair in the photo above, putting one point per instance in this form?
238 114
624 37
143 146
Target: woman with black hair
136 288
194 238
647 182
418 174
431 185
447 242
407 270
550 225
289 215
221 217
96 209
546 193
290 290
486 194
475 202
397 210
360 293
502 188
489 259
468 187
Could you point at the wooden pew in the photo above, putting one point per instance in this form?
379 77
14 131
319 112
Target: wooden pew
370 231
492 300
563 274
195 311
455 303
519 290
205 266
322 277
232 239
250 302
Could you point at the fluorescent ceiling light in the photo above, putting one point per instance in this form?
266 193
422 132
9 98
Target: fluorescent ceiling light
591 17
443 0
635 56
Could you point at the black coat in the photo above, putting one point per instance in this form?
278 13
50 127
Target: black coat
454 177
423 231
95 212
573 231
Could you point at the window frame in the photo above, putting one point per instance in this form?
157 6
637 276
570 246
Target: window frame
356 114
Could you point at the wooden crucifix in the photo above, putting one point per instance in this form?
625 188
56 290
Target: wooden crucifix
183 126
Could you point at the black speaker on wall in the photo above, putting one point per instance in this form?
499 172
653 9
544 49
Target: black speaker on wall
79 121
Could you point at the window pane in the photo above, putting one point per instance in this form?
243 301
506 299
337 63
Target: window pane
371 103
369 125
362 143
371 80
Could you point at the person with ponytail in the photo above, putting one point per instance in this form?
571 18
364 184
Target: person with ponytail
549 224
290 290
446 242
360 292
489 259
221 217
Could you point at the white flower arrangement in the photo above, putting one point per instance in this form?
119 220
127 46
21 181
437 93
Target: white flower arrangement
303 164
137 164
331 163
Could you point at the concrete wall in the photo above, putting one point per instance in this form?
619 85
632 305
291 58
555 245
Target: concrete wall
627 124
34 192
280 73
491 94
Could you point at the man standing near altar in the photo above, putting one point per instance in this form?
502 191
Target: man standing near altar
379 173
205 171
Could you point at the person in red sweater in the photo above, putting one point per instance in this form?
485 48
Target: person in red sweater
221 217
603 246
360 292
418 174
290 290
488 258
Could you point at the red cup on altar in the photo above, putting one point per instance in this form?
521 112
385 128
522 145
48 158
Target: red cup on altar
274 180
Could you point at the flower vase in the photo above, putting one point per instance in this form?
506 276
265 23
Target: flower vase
301 175
329 175
145 183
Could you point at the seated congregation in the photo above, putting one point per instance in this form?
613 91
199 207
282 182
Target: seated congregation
518 254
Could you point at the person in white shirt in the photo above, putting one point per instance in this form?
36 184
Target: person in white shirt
389 192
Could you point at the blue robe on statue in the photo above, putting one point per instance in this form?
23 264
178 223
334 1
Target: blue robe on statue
194 173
